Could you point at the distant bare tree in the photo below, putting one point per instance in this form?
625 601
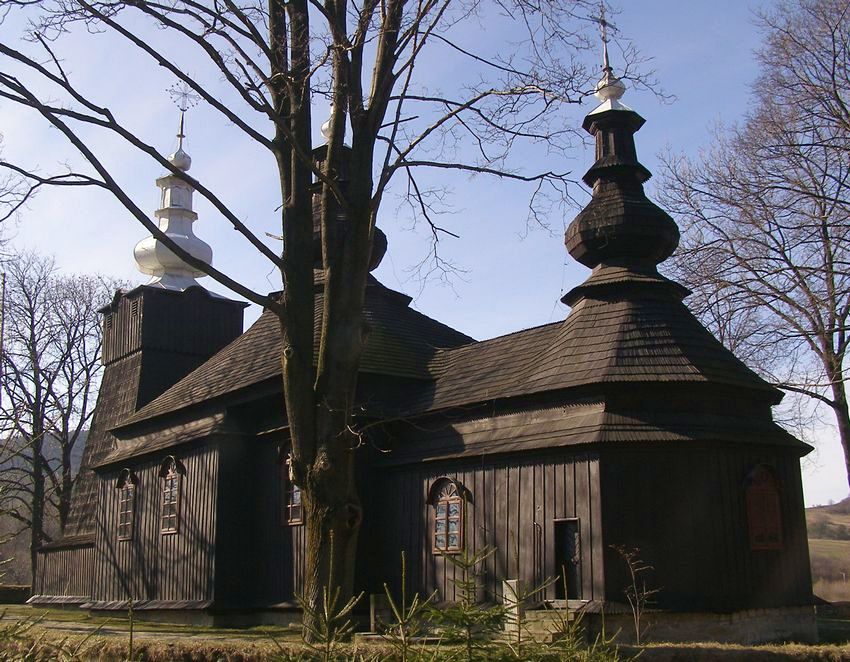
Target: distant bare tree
13 191
766 212
50 370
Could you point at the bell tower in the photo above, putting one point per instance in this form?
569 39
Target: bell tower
157 333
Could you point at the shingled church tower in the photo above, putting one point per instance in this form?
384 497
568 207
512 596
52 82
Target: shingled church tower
153 335
692 472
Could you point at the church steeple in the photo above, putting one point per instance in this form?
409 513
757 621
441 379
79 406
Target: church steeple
620 224
176 217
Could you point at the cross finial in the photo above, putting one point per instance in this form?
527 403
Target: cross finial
182 95
603 29
609 88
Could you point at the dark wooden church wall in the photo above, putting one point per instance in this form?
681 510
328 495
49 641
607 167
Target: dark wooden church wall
65 571
173 567
252 469
684 507
515 502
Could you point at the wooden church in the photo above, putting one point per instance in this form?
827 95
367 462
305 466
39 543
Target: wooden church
628 424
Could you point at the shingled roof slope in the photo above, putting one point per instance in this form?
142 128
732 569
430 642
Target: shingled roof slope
633 339
115 402
636 339
402 343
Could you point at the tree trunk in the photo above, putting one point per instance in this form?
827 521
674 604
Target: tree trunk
333 510
67 485
37 530
842 416
333 515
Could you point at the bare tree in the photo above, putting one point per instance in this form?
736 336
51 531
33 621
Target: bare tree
260 64
766 211
50 371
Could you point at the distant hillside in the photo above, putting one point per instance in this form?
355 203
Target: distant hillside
51 449
829 549
15 549
829 522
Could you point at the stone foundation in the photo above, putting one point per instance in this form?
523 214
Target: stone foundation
754 626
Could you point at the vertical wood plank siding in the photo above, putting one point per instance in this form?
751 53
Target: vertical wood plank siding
152 565
170 323
65 572
276 570
692 526
513 507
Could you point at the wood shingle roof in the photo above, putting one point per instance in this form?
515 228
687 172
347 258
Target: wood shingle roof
402 343
635 339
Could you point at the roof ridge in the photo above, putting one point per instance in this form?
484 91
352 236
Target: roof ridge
479 343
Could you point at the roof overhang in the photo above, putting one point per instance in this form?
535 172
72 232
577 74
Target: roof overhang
157 439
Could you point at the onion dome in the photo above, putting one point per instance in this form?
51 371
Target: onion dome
176 217
620 224
180 160
379 239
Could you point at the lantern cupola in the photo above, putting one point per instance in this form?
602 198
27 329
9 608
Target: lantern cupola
175 216
620 224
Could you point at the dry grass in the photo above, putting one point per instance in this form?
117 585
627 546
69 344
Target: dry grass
715 652
831 569
829 549
44 644
833 549
832 590
112 649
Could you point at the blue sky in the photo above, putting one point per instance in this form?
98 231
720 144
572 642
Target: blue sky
510 277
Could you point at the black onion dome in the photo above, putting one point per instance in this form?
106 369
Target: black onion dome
620 223
379 239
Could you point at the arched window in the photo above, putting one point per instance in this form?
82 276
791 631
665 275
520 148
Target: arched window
764 515
126 486
448 499
292 510
171 474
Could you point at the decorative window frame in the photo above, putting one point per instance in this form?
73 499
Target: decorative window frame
171 474
290 495
764 509
126 487
448 501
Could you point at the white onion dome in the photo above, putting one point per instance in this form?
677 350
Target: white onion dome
175 216
180 160
609 87
609 90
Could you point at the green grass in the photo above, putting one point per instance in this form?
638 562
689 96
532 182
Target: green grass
830 569
829 550
161 642
119 623
837 549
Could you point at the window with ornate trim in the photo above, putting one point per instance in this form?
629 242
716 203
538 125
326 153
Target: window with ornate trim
292 508
764 514
170 477
448 501
126 487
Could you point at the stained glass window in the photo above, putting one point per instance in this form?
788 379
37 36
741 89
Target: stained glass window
448 519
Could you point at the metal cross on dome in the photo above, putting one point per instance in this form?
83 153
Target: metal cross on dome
185 98
604 24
